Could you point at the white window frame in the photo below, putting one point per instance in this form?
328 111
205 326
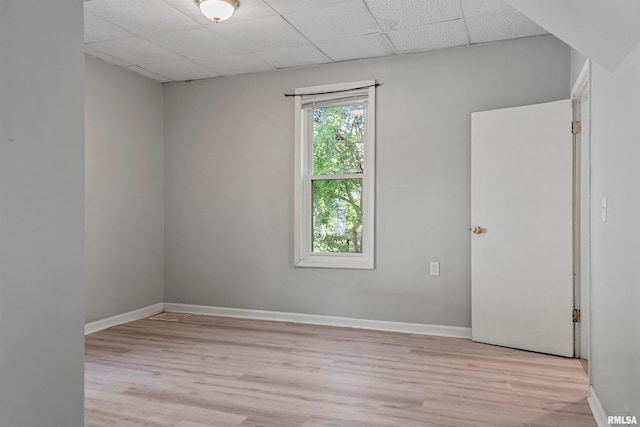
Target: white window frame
303 221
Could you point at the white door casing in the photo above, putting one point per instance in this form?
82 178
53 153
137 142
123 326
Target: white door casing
582 177
521 197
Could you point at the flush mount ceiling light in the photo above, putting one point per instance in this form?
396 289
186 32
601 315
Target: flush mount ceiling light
217 10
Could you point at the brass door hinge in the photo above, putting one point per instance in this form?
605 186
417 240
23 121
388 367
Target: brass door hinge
575 128
576 314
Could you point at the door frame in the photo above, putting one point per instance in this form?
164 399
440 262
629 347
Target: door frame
580 94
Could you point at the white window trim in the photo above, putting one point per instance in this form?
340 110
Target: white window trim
303 257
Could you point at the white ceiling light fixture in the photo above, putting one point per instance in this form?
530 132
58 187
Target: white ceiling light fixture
217 10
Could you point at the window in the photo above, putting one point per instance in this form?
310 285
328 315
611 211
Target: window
334 176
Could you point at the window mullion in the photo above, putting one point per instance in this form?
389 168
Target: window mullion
336 176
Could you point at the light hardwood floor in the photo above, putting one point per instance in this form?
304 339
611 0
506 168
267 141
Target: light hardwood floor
215 371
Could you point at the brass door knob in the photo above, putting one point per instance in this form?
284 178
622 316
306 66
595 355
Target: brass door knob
477 230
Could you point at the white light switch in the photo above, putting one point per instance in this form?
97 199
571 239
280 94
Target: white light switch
434 268
604 209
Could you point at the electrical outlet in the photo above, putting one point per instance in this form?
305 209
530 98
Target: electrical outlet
434 268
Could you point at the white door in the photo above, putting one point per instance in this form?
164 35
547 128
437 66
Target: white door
521 198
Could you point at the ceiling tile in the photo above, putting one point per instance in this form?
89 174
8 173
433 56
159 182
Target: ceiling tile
368 46
399 14
484 7
141 16
428 37
181 70
193 43
190 9
148 74
289 6
265 33
251 9
134 51
236 64
502 26
97 29
337 21
293 56
108 58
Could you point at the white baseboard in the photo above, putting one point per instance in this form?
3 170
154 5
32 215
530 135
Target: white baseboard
119 319
596 408
312 319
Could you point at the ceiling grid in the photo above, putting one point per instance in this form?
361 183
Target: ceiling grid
170 40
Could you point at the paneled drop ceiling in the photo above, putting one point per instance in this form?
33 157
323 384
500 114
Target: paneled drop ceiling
170 40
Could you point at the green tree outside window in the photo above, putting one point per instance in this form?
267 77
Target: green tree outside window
338 135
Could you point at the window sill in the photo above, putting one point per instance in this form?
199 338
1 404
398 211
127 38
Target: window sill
358 262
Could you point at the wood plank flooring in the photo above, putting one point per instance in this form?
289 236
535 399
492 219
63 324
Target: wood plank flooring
215 371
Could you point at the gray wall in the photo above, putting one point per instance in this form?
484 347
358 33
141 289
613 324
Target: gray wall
577 62
615 281
124 190
41 214
229 168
